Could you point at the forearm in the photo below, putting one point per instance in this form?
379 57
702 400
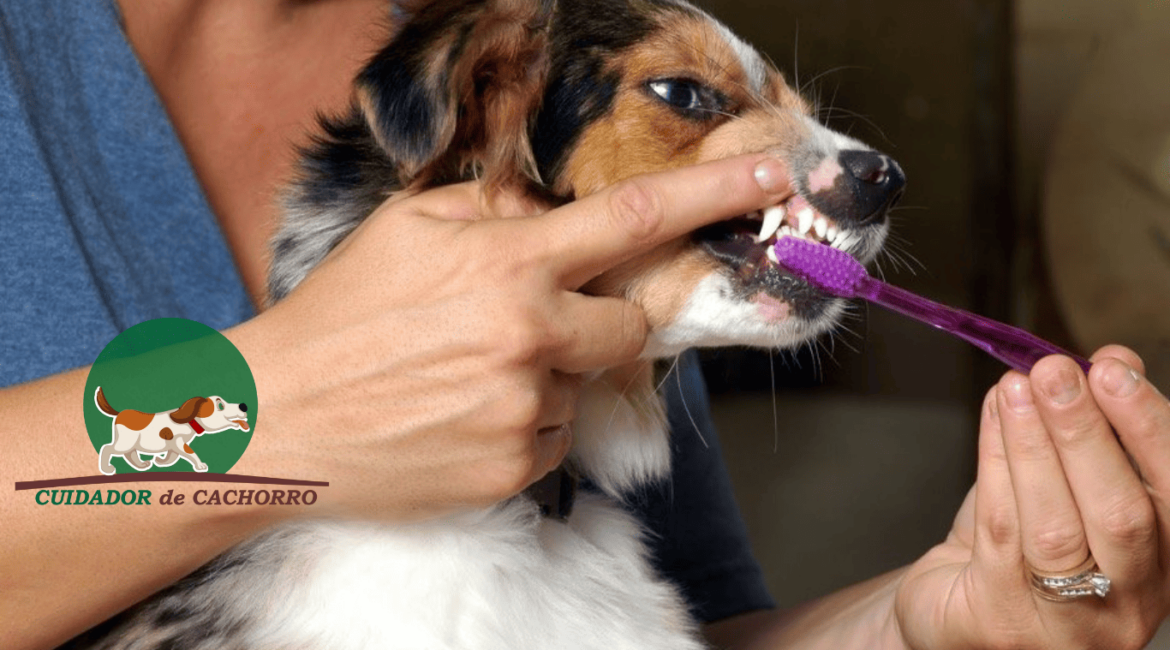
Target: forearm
861 616
64 568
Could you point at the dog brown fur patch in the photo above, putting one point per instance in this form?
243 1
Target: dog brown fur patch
133 420
191 409
187 448
104 405
661 281
494 83
642 134
166 434
508 50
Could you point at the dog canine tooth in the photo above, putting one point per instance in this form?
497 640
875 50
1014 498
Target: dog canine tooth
805 220
770 251
831 233
820 226
773 218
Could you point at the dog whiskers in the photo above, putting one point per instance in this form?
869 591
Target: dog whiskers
687 407
775 411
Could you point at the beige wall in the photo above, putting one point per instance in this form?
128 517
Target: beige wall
1093 171
1055 40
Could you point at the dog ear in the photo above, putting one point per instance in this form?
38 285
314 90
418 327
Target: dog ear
454 93
189 410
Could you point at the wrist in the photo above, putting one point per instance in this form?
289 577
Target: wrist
878 613
890 635
867 614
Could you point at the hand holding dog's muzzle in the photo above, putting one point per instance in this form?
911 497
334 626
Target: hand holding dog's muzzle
416 365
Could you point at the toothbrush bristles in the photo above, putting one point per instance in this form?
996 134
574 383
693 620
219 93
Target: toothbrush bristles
828 268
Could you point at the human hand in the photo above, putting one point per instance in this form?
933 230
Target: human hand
1054 486
429 362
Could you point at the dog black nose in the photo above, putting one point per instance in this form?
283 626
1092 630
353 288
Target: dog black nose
875 182
243 407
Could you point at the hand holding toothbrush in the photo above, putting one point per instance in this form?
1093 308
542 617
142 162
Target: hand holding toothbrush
1057 496
1064 540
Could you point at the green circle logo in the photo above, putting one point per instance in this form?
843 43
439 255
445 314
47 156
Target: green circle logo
169 395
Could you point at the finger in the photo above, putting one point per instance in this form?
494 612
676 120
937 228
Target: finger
584 238
1052 536
997 519
1140 416
551 447
1115 508
598 332
559 403
552 437
1128 356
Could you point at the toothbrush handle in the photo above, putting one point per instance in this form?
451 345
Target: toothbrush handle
1012 345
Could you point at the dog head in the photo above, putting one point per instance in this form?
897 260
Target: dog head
213 414
564 98
561 98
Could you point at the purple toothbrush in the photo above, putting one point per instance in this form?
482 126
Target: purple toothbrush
838 273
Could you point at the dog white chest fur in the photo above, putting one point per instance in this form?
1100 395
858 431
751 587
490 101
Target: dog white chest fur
505 578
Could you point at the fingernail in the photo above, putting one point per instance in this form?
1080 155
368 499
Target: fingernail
1119 380
770 175
1018 395
1062 388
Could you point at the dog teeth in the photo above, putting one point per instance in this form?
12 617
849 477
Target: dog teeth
773 217
843 241
804 220
820 227
799 220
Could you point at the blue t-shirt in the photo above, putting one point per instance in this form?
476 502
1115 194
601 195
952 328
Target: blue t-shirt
103 222
103 225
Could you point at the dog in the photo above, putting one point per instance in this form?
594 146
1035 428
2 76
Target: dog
167 435
556 99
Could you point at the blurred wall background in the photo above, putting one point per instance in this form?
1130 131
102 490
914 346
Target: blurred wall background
850 459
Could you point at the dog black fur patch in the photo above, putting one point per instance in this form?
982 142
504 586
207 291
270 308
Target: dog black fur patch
407 103
580 89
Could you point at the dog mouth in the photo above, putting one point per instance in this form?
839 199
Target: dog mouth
744 246
243 424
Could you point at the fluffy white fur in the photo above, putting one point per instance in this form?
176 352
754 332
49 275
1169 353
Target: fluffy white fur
714 316
617 442
500 579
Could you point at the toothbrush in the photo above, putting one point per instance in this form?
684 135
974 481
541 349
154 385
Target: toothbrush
837 272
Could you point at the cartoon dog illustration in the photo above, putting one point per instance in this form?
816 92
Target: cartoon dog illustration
169 432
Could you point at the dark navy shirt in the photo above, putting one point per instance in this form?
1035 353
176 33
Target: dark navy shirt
103 225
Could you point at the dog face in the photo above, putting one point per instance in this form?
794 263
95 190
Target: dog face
561 99
676 88
212 413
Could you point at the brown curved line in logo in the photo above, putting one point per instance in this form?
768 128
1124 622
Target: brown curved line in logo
163 477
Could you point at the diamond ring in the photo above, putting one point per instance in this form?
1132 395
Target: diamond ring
1084 580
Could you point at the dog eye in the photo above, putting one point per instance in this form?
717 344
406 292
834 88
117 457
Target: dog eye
692 99
219 405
